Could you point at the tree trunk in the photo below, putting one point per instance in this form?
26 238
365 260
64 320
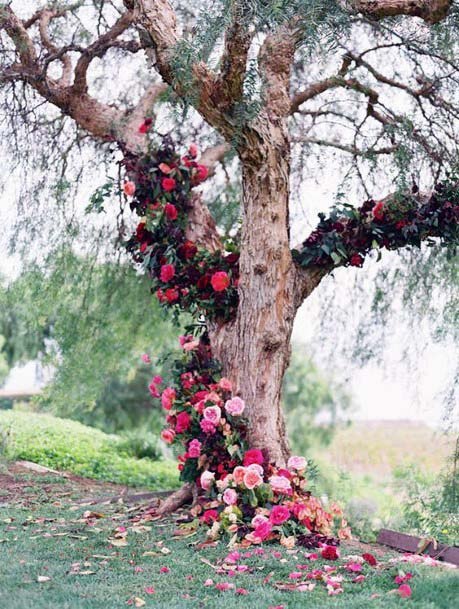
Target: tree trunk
255 348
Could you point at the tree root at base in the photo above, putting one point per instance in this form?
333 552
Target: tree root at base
176 500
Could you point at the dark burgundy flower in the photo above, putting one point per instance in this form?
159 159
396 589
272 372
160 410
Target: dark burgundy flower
356 260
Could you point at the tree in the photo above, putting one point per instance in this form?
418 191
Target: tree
242 67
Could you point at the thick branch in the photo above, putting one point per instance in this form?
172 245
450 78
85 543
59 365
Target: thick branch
432 11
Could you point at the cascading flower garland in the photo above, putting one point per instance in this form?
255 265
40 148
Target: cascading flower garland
348 234
240 492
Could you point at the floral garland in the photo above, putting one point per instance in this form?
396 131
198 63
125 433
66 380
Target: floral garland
240 492
183 275
348 234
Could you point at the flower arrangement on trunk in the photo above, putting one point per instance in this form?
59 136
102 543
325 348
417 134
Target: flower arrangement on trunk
240 493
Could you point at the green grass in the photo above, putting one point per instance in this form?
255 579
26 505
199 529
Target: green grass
63 444
44 534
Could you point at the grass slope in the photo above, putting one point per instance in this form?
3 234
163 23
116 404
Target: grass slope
43 534
67 445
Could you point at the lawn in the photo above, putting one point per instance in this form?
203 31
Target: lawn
67 445
58 552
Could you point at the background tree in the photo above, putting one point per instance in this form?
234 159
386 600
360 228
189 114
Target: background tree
254 73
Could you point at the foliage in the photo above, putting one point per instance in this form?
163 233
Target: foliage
431 505
90 321
67 445
311 403
4 368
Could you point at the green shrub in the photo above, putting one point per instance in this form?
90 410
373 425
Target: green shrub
63 444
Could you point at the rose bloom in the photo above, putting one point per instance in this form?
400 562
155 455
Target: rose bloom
193 151
165 168
356 260
235 406
378 211
153 389
201 172
171 295
183 339
146 358
257 468
330 553
220 281
263 530
222 484
225 384
207 479
158 379
170 211
212 414
279 484
168 435
230 496
168 184
207 426
167 272
194 449
168 397
238 474
253 455
252 479
209 516
258 519
279 514
297 463
183 422
191 346
129 188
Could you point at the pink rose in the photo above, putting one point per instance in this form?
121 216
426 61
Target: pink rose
170 211
194 449
235 406
168 435
279 514
225 384
183 422
263 530
238 474
193 151
252 479
253 455
279 484
184 339
230 496
168 184
168 397
212 414
157 379
297 463
153 389
258 519
129 188
146 358
220 281
207 480
167 272
404 590
207 426
257 468
191 346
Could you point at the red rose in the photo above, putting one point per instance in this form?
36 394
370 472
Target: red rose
167 272
168 184
183 422
253 455
370 559
187 250
171 295
378 211
170 211
356 260
285 473
202 172
330 553
279 514
145 126
209 516
220 281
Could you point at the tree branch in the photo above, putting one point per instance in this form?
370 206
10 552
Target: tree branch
432 11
